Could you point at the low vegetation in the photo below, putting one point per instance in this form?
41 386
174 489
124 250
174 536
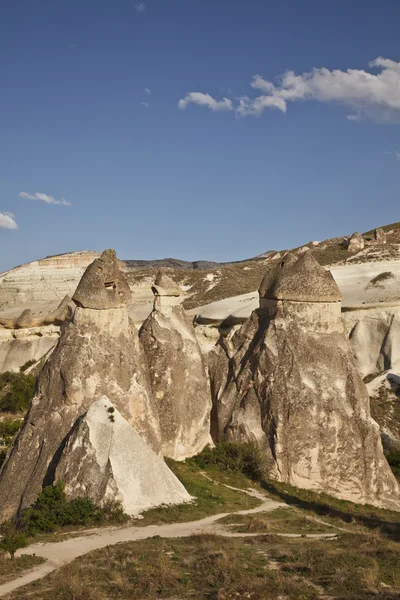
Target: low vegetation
209 496
350 567
11 569
233 457
382 277
280 520
16 391
52 511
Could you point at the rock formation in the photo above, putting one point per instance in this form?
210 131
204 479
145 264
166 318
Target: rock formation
98 354
43 281
375 338
292 386
26 320
105 459
380 236
177 372
355 243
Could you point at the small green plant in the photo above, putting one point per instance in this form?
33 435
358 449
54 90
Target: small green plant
231 456
16 391
28 364
393 459
13 538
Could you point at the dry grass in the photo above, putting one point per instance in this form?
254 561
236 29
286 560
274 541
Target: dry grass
199 567
209 497
350 567
280 520
10 569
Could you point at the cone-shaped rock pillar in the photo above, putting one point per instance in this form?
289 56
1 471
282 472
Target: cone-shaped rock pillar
98 354
291 384
177 372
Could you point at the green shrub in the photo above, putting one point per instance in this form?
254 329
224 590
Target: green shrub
28 364
8 429
16 391
231 456
393 459
12 538
52 510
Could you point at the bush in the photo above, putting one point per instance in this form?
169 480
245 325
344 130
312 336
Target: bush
13 538
28 364
16 391
231 456
52 510
393 459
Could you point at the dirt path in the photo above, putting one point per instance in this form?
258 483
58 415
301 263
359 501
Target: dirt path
58 554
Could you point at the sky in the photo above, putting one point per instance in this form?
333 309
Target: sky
195 129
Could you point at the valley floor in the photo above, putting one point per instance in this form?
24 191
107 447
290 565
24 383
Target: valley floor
291 549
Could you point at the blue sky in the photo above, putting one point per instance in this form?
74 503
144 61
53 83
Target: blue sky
115 109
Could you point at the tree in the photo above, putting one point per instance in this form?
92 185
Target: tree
12 538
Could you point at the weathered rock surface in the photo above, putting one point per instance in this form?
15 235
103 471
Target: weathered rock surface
43 280
27 319
356 243
98 354
178 374
292 386
19 346
375 338
106 459
380 236
103 285
384 392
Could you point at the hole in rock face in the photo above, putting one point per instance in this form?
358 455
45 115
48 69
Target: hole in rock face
110 285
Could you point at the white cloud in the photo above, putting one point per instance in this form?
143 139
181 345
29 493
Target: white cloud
146 104
139 6
147 91
396 154
205 100
7 221
44 198
375 95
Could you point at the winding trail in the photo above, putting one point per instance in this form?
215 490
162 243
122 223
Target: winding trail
58 554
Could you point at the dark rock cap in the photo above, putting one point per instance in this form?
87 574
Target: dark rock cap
272 275
103 285
301 280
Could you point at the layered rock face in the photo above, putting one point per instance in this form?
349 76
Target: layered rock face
178 374
292 385
375 338
43 280
17 347
98 354
115 463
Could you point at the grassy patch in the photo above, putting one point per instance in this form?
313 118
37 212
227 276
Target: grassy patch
371 517
209 497
280 520
350 567
10 569
199 567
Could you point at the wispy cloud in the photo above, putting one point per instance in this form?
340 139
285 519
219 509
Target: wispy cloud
371 95
395 153
147 91
44 198
205 100
146 104
7 221
139 6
